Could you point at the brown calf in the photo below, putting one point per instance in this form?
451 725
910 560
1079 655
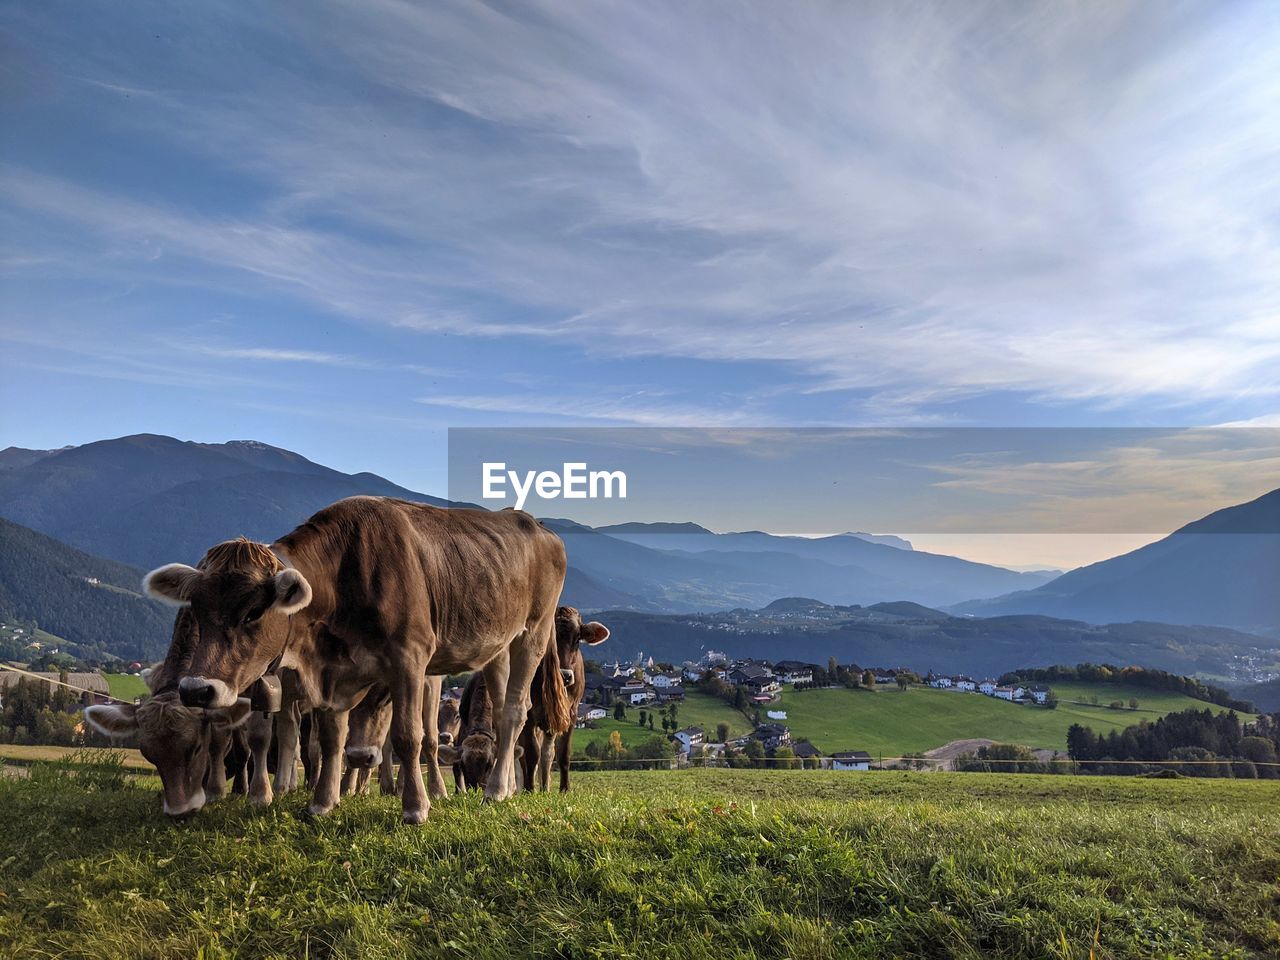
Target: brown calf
539 738
186 744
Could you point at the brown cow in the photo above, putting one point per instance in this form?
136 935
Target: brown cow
187 744
475 754
369 742
539 739
387 591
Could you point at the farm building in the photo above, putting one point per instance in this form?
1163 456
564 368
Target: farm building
850 760
689 738
588 712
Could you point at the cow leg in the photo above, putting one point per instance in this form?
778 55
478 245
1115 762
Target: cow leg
387 770
258 737
215 775
564 749
431 736
406 737
288 722
546 751
310 749
496 674
526 652
332 728
530 744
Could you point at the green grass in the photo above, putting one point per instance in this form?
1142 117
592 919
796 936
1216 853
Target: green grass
894 722
125 686
698 709
702 863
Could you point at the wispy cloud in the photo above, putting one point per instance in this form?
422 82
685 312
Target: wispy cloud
918 204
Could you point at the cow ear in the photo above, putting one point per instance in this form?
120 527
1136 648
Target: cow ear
113 720
171 583
519 751
446 753
593 633
293 593
230 717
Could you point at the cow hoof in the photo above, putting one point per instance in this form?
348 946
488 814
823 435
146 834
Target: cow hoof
262 801
415 818
318 810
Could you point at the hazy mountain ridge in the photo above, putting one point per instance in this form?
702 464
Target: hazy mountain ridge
1221 569
904 634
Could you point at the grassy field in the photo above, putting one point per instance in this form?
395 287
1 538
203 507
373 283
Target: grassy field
698 709
23 754
702 863
894 722
125 686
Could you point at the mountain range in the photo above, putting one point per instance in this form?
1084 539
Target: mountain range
145 500
1222 569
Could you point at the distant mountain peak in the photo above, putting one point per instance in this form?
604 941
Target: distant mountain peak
659 527
795 605
885 539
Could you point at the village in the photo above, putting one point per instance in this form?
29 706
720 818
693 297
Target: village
754 685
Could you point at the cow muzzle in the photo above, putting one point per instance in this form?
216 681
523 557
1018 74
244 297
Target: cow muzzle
209 694
566 676
364 758
182 809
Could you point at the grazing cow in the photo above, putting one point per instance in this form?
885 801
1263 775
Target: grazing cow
369 740
188 745
382 590
474 755
539 738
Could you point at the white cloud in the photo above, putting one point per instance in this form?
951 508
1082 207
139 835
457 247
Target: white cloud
928 202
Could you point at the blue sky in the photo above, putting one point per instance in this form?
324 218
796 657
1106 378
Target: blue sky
344 227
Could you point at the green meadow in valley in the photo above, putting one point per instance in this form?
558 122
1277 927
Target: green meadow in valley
699 863
892 722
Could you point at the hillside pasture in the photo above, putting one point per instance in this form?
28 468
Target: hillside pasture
698 710
126 686
894 722
699 863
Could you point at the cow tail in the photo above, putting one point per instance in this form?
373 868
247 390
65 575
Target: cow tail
555 696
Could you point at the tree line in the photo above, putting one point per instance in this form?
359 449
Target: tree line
1201 743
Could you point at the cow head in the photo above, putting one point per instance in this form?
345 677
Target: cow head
571 634
367 729
241 596
178 739
448 720
477 754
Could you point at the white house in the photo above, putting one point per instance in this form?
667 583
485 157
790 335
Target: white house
776 714
1040 694
988 687
590 711
883 677
942 683
965 683
1010 693
688 738
636 692
850 760
665 680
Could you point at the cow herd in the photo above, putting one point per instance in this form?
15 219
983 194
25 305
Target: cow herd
332 643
